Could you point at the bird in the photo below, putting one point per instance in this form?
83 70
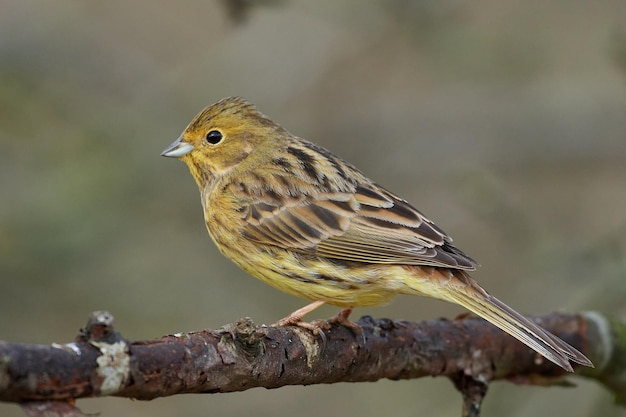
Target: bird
305 221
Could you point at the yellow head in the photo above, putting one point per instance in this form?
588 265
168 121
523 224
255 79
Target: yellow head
227 135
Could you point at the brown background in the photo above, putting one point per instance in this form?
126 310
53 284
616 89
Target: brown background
503 121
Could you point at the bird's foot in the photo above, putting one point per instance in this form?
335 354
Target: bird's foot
295 318
319 326
342 319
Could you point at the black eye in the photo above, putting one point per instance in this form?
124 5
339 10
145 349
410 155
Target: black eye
214 137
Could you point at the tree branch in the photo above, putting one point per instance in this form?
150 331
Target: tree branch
240 356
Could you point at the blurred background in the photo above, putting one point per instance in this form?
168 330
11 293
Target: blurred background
503 121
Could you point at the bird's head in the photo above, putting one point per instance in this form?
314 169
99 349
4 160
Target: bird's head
228 135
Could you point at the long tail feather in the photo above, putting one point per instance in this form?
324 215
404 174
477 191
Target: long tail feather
478 301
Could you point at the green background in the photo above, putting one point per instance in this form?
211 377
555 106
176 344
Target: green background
503 121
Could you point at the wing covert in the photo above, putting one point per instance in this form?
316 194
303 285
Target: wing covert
370 225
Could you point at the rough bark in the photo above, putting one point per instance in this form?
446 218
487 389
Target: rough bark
240 356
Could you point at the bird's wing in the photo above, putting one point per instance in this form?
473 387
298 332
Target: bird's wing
369 225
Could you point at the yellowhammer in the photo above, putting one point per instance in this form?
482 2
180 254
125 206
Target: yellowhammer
303 220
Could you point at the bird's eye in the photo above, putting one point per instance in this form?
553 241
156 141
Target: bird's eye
214 137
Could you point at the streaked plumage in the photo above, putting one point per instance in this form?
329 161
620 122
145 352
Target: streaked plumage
303 220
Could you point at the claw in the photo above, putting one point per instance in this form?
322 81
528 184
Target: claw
342 319
295 318
319 326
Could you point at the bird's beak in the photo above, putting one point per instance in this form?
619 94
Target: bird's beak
178 148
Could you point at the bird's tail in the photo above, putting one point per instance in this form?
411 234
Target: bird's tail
463 290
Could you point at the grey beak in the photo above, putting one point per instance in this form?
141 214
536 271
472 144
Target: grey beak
178 148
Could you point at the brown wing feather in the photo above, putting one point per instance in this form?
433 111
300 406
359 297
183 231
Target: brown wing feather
389 230
368 225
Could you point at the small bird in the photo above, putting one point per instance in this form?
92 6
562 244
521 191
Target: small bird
303 220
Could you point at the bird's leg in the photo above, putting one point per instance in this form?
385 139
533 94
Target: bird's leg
295 318
318 326
341 318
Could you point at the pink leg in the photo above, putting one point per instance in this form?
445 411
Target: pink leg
342 319
318 326
296 316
